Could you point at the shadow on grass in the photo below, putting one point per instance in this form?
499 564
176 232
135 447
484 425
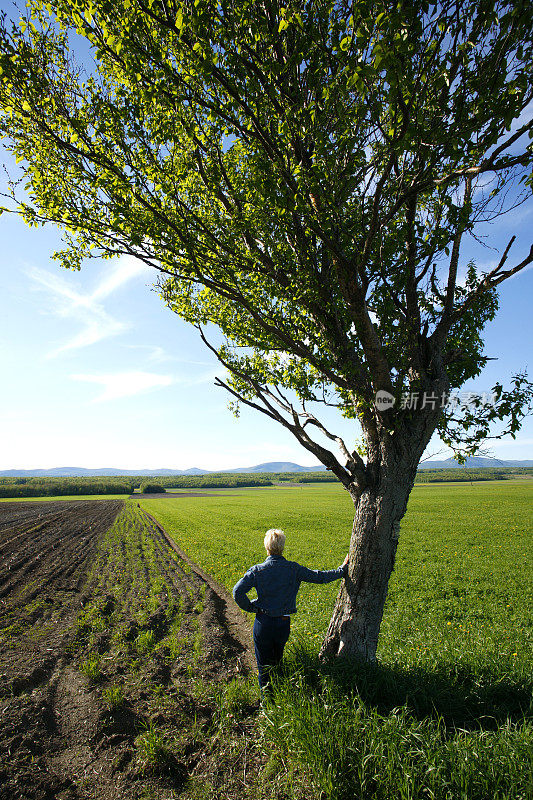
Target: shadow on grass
461 696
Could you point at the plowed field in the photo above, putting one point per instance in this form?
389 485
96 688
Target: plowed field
46 550
119 661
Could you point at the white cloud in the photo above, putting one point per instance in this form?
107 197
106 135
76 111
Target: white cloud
121 271
153 352
125 384
157 354
86 309
206 377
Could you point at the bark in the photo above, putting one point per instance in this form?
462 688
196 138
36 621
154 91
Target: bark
354 627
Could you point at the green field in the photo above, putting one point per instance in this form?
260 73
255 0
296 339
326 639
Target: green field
446 713
463 571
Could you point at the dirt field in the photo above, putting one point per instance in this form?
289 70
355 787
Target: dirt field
119 662
45 550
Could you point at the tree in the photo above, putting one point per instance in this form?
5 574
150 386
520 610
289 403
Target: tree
303 177
152 488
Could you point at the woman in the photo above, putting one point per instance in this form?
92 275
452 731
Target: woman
276 581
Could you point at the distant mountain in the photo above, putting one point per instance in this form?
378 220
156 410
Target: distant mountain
476 462
278 466
81 472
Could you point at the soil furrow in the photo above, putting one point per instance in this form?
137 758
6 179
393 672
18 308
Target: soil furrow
105 656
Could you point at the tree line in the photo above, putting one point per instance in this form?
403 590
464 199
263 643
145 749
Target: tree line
459 475
62 487
52 487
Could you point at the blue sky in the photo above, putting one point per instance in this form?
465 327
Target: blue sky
97 372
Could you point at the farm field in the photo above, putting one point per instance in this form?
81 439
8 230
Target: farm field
120 664
448 711
62 498
46 550
126 674
471 542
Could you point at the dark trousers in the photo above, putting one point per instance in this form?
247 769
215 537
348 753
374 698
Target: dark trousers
270 637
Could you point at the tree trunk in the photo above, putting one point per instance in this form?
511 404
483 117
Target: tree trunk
354 627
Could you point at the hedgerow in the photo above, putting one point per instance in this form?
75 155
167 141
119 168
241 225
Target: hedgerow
63 487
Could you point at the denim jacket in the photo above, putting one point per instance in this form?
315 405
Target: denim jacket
277 581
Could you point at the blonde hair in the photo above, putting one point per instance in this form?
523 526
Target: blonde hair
274 541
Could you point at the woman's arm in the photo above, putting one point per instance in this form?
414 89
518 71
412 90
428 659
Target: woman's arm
241 589
323 576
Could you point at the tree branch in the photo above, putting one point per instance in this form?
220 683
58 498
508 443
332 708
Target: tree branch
346 477
491 280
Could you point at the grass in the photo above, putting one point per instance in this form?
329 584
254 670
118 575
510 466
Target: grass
446 713
461 587
151 749
91 668
224 534
145 642
113 697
